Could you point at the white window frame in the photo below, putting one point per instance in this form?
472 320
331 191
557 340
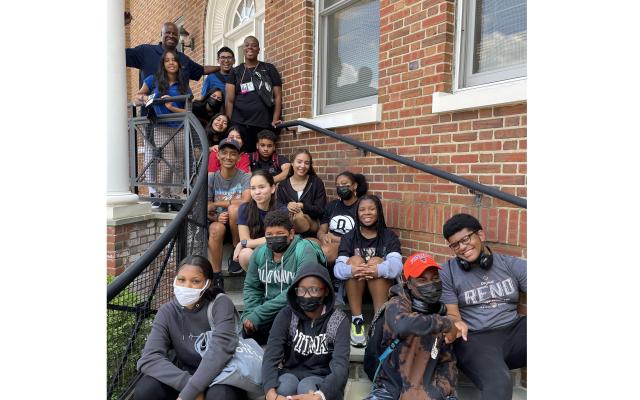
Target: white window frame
355 112
507 91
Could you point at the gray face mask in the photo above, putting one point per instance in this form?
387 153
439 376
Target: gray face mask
428 292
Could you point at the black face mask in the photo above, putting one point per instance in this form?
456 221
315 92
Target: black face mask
215 105
309 304
278 244
344 192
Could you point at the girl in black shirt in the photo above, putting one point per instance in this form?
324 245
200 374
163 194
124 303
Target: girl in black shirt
303 194
369 256
340 215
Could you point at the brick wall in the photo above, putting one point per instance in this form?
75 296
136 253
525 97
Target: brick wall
487 145
286 20
127 242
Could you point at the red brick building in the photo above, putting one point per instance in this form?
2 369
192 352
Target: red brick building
441 82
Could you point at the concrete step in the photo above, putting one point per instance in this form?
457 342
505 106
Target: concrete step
359 385
232 283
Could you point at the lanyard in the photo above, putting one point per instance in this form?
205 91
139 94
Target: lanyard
252 72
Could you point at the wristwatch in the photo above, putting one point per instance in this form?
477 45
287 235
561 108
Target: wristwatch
243 243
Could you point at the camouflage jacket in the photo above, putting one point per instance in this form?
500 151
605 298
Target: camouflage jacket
402 374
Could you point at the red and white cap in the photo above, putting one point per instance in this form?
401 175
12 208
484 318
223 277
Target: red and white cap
417 263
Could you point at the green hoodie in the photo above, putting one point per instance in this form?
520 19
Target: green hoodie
265 286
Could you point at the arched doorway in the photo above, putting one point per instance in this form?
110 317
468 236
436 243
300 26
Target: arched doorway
228 22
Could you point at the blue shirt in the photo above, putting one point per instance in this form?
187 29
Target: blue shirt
243 219
214 81
160 109
146 58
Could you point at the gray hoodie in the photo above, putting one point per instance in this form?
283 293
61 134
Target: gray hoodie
176 327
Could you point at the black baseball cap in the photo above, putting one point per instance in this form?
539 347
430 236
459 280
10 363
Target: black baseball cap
229 142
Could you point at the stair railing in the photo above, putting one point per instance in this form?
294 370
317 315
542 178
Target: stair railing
474 186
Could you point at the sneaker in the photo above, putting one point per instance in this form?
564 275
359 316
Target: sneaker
358 338
234 266
218 281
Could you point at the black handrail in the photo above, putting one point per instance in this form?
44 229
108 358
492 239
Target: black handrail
475 186
118 284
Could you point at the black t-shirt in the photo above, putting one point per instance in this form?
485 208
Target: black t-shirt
340 217
357 245
269 166
248 108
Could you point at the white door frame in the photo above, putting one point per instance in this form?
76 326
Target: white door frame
219 31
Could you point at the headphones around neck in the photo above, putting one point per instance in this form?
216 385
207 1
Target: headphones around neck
485 261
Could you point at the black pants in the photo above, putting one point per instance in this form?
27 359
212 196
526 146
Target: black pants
149 388
487 356
249 134
261 335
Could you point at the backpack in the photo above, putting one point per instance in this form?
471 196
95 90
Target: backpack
262 84
322 260
375 353
255 157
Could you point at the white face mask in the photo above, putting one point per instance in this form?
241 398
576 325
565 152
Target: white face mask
187 296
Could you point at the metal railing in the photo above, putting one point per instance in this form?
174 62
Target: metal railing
165 141
134 297
474 186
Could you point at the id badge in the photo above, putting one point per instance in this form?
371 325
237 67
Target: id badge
246 87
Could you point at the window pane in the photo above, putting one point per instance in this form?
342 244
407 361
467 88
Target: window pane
500 38
352 52
329 3
246 9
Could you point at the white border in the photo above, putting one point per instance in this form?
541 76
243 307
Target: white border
355 116
481 96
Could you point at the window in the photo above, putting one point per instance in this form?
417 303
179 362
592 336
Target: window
246 9
493 43
348 35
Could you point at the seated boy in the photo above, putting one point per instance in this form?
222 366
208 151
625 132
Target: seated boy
228 188
272 269
481 289
421 364
266 158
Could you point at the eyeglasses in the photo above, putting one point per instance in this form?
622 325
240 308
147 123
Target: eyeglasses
465 240
225 57
313 291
